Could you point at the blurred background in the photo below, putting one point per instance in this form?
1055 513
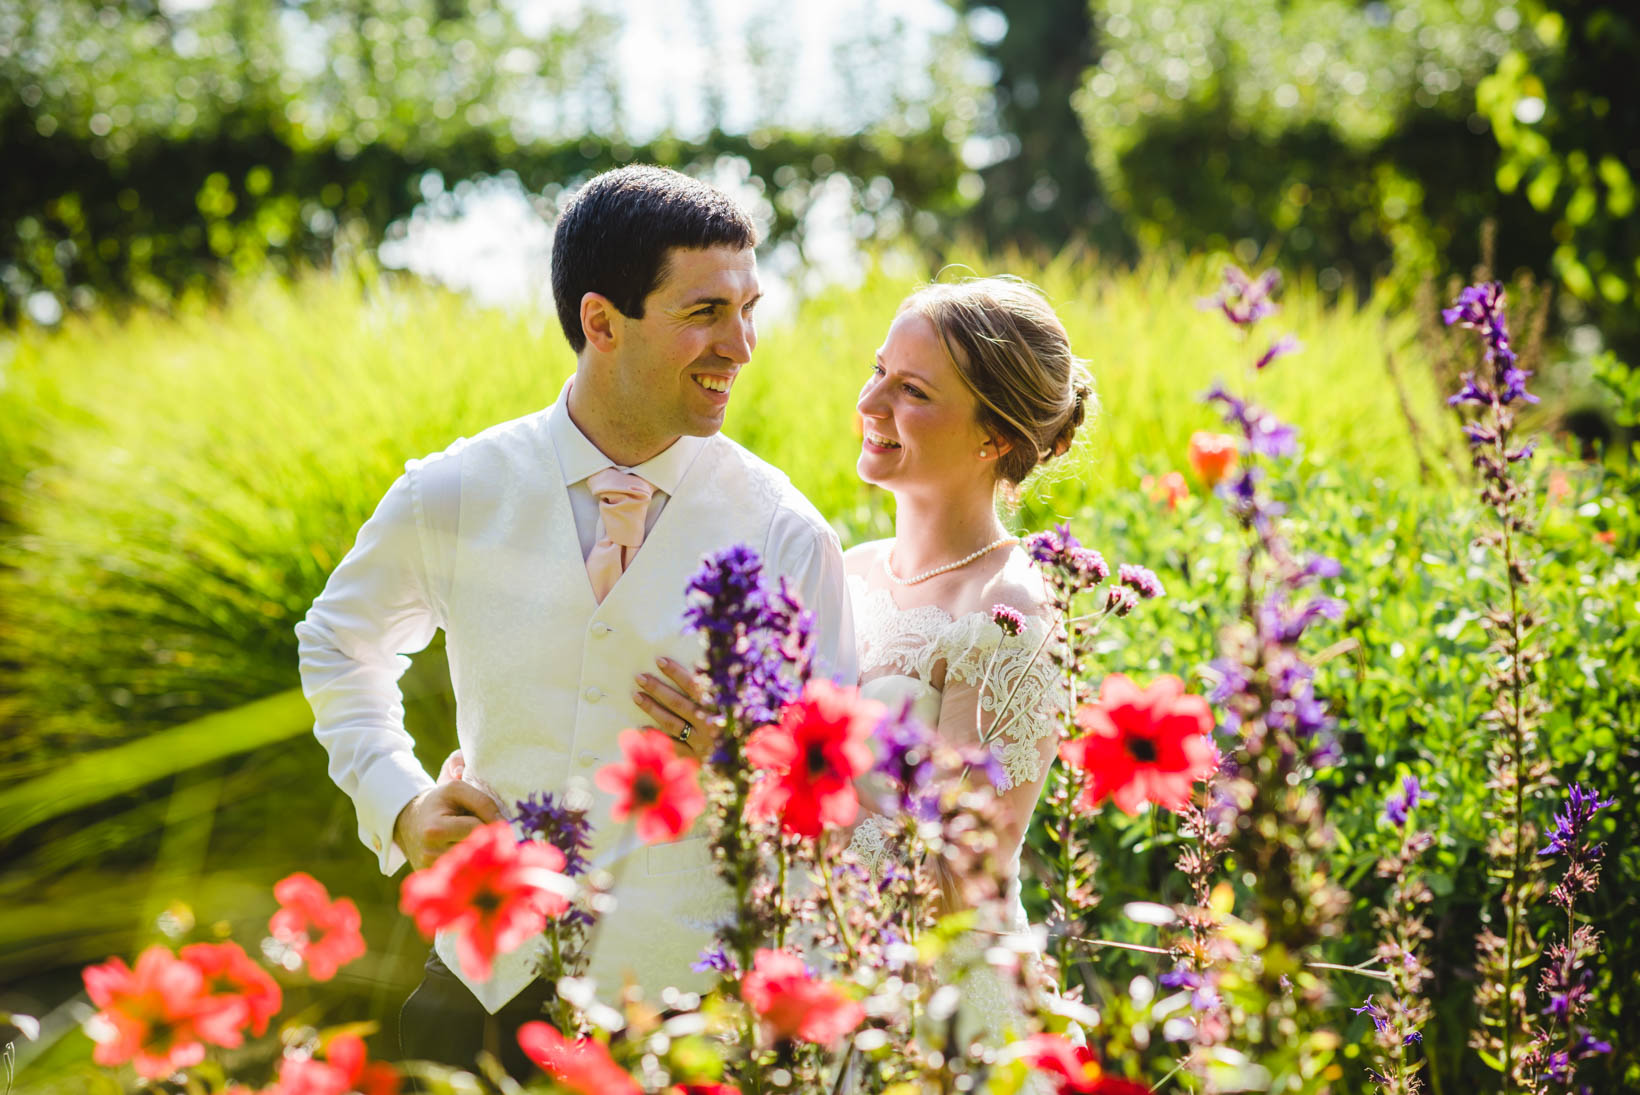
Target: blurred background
254 254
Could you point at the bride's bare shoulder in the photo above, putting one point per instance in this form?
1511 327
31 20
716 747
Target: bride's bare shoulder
860 558
1017 584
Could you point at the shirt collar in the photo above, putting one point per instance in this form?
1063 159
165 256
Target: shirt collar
578 457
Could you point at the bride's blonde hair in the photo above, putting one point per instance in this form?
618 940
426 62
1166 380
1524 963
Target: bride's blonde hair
1004 340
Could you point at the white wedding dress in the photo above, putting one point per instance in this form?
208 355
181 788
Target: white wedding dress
939 663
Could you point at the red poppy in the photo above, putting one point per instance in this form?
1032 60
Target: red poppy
1141 744
323 933
811 758
703 1089
650 782
793 1004
236 985
1074 1068
1170 488
492 890
1212 456
581 1064
158 1016
346 1068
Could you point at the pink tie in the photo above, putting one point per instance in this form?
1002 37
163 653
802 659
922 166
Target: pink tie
623 504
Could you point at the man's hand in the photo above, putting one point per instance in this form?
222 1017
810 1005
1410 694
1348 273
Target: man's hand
676 706
438 819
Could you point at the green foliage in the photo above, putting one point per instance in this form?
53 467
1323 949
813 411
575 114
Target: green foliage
1565 123
1339 134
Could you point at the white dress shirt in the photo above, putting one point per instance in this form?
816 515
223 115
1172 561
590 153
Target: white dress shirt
391 592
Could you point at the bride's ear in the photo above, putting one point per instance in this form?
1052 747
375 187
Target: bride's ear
995 448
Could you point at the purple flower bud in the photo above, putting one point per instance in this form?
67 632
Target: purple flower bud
1121 600
715 958
1244 300
1397 808
564 828
1140 579
1281 347
1008 618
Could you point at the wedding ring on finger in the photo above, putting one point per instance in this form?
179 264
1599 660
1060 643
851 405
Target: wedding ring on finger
683 735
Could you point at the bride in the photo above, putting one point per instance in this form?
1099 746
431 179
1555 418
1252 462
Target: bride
974 387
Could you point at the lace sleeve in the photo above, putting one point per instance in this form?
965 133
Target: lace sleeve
1022 693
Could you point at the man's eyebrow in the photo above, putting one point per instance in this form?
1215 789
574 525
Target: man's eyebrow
720 302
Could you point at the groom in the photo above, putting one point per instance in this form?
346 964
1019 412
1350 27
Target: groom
554 550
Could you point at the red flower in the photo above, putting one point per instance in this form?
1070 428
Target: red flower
491 890
323 933
1170 488
242 990
581 1065
703 1089
811 758
793 1004
654 783
1074 1068
1212 456
156 1016
1141 744
346 1068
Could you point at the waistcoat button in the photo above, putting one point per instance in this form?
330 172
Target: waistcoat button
593 694
586 759
600 629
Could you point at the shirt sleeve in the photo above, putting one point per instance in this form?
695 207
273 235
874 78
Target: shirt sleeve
384 600
811 558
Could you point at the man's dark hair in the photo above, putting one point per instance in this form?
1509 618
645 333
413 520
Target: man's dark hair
614 236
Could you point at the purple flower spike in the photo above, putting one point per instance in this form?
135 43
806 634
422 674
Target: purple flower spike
1281 347
1399 807
759 638
1008 618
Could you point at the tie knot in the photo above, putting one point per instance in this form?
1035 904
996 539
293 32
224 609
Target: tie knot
623 502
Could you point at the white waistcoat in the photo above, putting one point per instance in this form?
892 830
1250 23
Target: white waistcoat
544 677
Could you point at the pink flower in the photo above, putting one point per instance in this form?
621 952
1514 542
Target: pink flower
156 1016
346 1069
242 990
654 784
581 1065
322 932
811 757
793 1004
492 890
1141 744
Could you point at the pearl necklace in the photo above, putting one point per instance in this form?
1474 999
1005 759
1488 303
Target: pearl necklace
927 574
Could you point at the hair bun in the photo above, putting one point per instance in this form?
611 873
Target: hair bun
1073 419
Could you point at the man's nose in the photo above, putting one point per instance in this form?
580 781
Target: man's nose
737 341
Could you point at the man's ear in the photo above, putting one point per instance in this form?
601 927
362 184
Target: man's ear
600 322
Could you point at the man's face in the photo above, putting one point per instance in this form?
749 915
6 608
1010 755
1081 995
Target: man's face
679 362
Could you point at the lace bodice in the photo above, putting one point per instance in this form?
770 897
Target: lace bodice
1021 699
1021 693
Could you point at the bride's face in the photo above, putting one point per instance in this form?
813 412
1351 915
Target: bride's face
919 418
